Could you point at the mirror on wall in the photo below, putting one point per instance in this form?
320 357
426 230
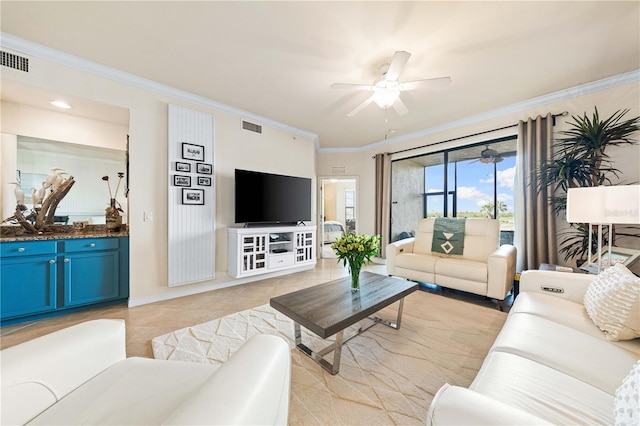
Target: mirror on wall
89 196
88 140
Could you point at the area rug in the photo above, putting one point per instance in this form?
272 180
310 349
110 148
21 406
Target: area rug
386 376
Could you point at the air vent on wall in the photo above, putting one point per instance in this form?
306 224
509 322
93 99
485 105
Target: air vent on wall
14 61
252 127
338 170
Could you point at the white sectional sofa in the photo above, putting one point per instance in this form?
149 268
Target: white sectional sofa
483 268
550 364
80 375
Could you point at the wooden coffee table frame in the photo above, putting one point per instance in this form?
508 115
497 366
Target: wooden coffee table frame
328 309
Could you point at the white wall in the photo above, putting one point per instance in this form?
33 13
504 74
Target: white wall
273 151
627 159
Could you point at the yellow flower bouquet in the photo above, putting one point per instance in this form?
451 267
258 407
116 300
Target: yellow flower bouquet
355 250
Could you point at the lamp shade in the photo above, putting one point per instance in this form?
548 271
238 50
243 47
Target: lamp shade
604 204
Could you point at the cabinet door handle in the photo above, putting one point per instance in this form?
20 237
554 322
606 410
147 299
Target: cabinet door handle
21 249
67 260
52 261
92 245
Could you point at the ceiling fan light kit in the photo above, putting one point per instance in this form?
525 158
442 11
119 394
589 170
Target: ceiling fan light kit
385 93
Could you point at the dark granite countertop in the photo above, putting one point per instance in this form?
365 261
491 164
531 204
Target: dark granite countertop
59 232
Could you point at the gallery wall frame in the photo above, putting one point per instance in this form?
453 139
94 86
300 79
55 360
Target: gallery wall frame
183 167
193 197
204 181
204 168
192 152
180 180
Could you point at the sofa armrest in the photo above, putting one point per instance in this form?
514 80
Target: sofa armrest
454 405
501 267
251 387
38 373
394 249
572 286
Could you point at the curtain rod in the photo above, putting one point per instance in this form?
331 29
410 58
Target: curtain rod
472 135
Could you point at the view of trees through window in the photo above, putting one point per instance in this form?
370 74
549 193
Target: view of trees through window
477 180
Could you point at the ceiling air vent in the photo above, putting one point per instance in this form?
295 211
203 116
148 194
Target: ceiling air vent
14 61
252 127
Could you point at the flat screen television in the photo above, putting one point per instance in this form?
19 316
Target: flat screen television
270 198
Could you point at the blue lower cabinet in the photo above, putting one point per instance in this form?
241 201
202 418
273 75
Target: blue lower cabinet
45 278
28 285
91 277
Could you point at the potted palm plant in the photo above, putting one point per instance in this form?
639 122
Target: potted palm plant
580 159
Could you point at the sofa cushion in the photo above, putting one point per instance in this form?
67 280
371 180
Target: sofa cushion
627 405
556 397
424 236
566 312
612 301
417 262
595 361
463 269
133 391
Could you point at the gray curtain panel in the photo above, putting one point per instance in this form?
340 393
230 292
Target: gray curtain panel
535 235
383 200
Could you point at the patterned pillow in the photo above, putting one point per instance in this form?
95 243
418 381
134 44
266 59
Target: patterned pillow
613 303
627 405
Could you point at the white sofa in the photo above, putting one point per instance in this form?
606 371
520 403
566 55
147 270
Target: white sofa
80 375
483 268
550 364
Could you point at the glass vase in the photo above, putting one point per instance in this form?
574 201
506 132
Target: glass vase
354 270
112 217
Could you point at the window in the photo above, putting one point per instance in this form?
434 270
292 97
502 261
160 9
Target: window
475 182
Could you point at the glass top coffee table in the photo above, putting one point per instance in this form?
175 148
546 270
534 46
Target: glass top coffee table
330 308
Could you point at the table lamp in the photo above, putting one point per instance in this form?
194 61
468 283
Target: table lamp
603 205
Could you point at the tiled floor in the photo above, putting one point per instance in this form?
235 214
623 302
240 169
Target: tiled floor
148 321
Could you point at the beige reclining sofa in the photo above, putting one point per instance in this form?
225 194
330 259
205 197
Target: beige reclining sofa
482 268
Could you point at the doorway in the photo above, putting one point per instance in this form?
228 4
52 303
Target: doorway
338 211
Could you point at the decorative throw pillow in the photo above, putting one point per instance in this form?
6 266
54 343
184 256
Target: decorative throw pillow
448 236
612 301
627 404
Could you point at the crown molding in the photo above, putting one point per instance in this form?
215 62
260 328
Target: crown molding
18 44
561 95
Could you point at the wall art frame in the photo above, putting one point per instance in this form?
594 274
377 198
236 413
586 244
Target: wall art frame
181 180
204 168
192 152
204 181
183 167
193 197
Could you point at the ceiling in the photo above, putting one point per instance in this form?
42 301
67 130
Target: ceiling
278 60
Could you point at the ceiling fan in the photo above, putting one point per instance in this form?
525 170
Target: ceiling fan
488 156
387 88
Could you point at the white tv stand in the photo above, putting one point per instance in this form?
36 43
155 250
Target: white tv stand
254 251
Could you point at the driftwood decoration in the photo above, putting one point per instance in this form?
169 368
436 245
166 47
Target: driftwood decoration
44 215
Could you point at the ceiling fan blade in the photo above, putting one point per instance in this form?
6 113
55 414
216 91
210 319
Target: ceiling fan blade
351 86
360 107
398 62
400 107
429 83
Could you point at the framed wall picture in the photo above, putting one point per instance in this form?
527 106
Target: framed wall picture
204 181
193 196
183 167
192 152
179 180
204 168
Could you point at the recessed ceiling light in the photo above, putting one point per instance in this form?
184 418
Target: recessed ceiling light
61 104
